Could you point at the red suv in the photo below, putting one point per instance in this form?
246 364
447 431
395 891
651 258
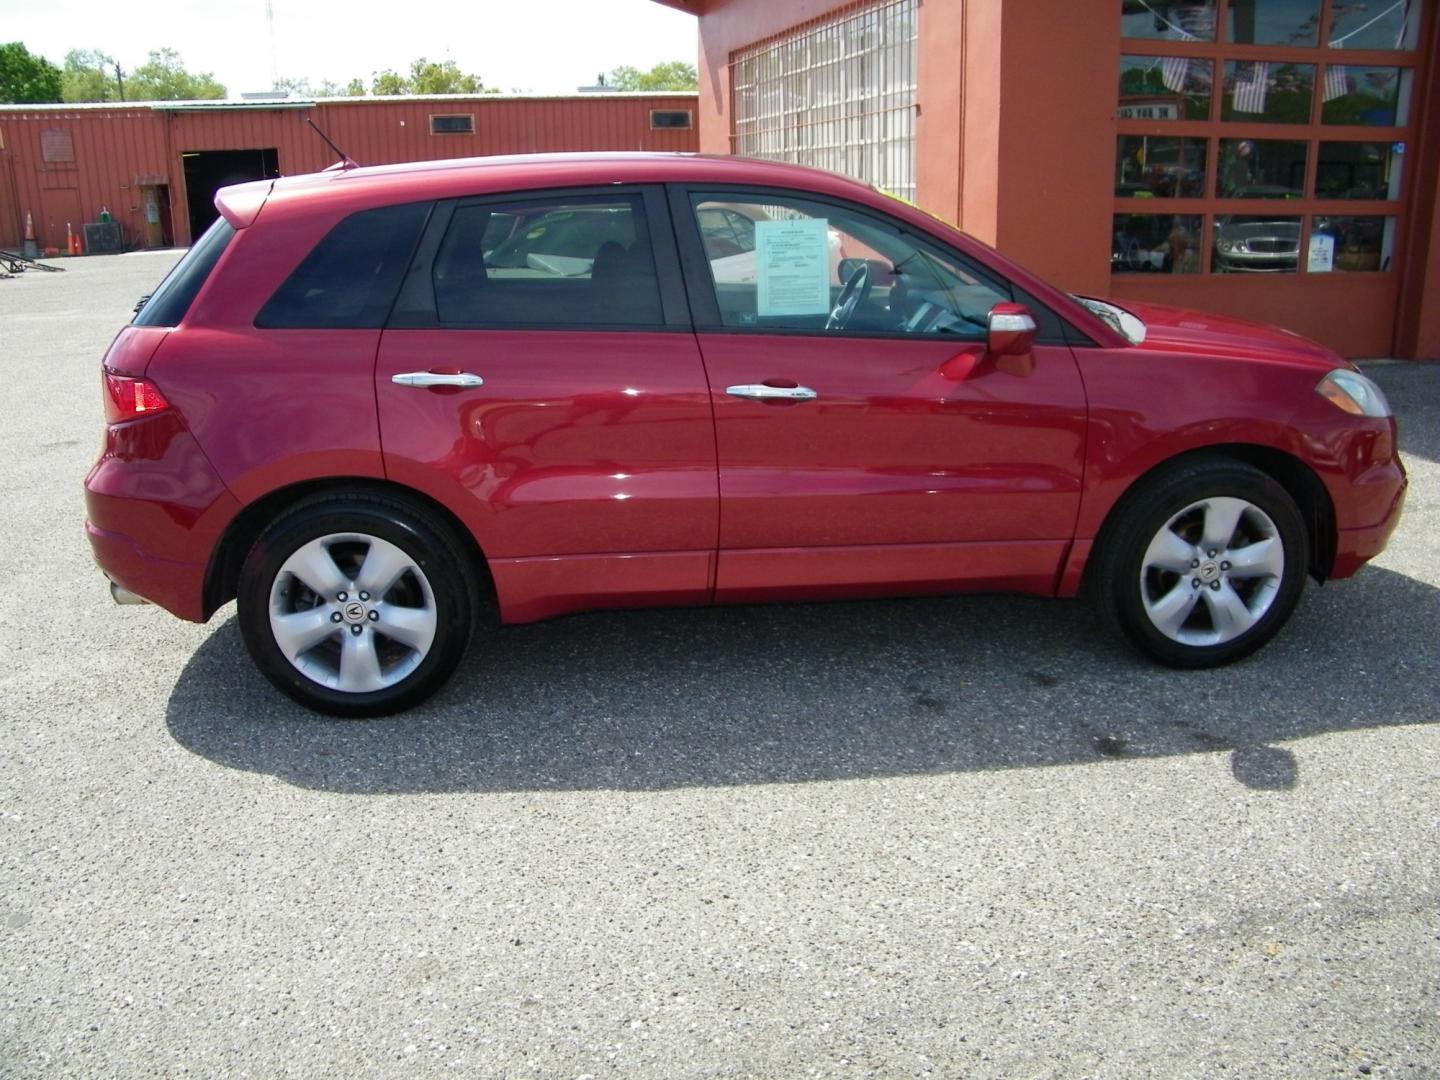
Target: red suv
381 407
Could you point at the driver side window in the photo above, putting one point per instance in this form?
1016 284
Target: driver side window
792 264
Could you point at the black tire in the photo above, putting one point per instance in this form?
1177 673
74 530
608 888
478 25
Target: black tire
439 588
1125 586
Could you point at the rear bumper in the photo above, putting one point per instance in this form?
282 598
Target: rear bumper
155 511
177 587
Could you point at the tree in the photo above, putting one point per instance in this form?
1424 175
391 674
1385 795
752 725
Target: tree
675 75
428 77
27 79
90 75
301 88
163 78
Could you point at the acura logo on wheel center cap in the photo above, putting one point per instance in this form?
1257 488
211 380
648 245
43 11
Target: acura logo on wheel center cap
1209 572
355 612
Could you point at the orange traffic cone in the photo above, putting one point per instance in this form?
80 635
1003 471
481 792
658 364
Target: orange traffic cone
32 249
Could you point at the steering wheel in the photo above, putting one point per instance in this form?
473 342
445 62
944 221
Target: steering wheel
853 293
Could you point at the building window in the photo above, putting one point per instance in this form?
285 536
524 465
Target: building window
837 93
56 146
1262 136
670 119
453 124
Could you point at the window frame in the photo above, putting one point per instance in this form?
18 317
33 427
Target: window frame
700 281
1210 206
415 307
688 114
452 116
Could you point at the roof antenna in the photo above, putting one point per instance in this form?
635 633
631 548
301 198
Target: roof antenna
345 161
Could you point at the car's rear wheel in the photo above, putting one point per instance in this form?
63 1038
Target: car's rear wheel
358 605
1203 564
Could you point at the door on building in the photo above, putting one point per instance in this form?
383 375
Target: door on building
59 207
863 432
206 171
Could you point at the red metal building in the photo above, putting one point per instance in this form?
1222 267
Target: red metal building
1272 159
155 165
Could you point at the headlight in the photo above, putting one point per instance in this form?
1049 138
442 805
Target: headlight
1353 392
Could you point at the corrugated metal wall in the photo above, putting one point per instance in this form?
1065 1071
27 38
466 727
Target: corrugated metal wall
116 150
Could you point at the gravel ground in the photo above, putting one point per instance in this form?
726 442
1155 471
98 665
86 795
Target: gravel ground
959 837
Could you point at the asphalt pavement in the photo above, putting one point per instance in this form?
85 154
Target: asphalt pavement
966 837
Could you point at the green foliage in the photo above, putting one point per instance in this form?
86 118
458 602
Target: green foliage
675 75
163 78
89 75
428 77
301 88
25 78
92 75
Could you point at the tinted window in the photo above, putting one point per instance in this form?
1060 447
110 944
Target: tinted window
350 278
782 263
577 262
169 303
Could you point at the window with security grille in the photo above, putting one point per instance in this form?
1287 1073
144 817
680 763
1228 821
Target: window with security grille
835 94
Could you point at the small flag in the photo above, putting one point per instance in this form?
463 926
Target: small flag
1251 86
1337 85
1173 71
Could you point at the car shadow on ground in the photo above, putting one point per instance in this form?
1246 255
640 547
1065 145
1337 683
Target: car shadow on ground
651 700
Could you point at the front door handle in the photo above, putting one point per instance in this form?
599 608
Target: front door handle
423 379
761 392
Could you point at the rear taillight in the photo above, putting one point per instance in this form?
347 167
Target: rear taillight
129 399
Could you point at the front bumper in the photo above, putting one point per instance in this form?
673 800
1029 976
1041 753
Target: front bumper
1355 547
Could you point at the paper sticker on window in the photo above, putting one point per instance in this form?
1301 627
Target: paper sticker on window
793 267
1322 253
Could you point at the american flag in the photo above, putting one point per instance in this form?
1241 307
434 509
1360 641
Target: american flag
1336 83
1252 84
1173 71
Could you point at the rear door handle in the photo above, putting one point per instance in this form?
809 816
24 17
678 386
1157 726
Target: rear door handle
423 379
762 392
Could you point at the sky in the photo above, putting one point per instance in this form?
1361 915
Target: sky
537 46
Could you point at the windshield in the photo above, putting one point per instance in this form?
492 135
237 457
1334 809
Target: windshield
1119 320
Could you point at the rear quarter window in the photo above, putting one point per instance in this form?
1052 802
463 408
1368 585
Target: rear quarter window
169 303
349 279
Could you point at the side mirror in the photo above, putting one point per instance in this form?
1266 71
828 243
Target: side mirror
1011 330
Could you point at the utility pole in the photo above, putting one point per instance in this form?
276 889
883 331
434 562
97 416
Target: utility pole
270 29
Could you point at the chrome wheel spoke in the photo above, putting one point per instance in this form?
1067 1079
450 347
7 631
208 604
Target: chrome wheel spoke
359 664
1170 611
1265 558
1228 612
1169 552
315 567
384 565
410 626
1222 518
300 631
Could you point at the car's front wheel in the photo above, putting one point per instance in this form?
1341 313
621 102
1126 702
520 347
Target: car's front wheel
358 605
1203 564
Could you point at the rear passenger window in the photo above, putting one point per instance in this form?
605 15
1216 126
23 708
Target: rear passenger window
169 303
576 262
349 280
